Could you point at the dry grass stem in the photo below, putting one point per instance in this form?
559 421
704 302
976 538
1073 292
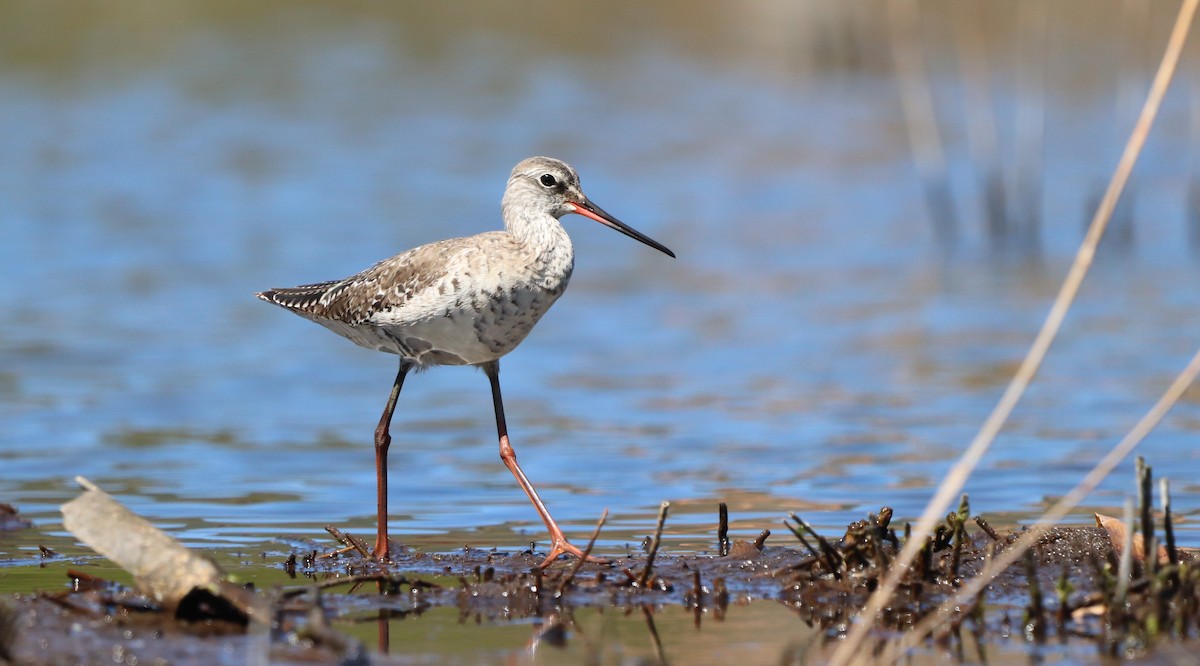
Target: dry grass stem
849 649
1056 512
662 519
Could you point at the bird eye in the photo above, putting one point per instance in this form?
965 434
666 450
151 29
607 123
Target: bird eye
548 180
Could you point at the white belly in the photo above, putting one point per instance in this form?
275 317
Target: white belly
458 333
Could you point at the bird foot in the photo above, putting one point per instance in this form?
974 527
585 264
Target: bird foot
382 552
561 546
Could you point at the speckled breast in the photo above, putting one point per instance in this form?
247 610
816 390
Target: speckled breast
474 330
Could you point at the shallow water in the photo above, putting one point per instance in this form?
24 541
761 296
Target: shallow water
812 349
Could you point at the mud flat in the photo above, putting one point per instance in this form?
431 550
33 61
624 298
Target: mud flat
783 597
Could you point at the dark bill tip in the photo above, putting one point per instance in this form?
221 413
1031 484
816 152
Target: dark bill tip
588 209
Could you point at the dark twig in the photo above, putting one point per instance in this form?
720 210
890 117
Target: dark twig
941 537
393 583
349 540
696 596
884 518
804 564
800 536
960 533
1168 523
1035 613
762 539
926 560
334 554
832 557
882 561
1145 483
562 585
723 530
658 647
662 519
81 581
987 529
1063 590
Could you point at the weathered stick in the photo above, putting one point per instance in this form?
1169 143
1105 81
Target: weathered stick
162 568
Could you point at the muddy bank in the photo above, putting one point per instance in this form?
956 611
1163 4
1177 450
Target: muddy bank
348 609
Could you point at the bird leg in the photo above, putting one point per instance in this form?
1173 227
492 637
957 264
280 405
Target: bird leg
383 439
558 541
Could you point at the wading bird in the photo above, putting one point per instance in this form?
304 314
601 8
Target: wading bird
463 301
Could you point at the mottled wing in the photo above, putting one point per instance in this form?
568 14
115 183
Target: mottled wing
386 286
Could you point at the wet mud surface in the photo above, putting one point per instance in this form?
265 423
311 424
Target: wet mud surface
823 582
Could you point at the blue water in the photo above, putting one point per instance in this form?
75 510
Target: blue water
812 349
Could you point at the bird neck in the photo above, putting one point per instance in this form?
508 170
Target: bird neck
542 233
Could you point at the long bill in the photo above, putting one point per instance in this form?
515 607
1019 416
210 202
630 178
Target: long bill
588 209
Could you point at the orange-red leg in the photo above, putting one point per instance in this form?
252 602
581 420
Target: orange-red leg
558 542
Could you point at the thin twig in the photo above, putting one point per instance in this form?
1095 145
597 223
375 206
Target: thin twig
723 530
562 585
832 557
881 560
800 536
1035 614
957 476
959 533
658 646
1145 483
348 540
662 519
1168 522
394 580
983 525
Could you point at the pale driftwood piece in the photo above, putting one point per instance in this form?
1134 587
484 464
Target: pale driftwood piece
1117 533
162 568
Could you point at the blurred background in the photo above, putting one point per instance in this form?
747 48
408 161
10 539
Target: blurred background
873 205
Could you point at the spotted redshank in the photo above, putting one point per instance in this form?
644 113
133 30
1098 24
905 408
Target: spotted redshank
463 301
